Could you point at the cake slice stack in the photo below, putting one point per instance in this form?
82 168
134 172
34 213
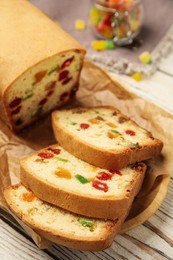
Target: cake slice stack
78 193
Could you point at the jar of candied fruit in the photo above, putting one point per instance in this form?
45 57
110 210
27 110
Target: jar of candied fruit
119 20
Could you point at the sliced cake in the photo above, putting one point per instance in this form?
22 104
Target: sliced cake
58 177
40 64
102 136
61 226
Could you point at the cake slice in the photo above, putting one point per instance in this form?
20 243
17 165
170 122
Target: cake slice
58 177
61 226
40 64
102 136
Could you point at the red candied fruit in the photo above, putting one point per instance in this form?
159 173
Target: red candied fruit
104 176
100 185
16 111
45 155
49 93
130 132
15 102
55 150
64 96
66 63
116 172
84 126
43 101
66 81
63 75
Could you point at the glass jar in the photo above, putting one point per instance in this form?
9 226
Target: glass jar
119 20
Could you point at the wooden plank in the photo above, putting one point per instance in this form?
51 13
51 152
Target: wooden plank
165 65
158 88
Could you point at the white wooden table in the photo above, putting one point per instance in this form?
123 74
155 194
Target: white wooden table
151 240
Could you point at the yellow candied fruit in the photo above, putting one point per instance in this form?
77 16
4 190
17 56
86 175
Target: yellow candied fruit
112 135
94 121
98 45
80 25
63 173
94 168
137 76
111 124
95 16
134 25
29 197
145 57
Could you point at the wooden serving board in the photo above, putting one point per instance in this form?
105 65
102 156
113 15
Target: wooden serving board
145 207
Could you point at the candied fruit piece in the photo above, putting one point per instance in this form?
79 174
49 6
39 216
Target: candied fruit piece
40 75
100 185
86 222
98 45
81 179
63 173
84 126
109 44
29 197
80 25
137 76
145 58
15 102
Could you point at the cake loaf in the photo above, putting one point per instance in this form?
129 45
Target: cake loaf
58 177
61 226
104 137
40 64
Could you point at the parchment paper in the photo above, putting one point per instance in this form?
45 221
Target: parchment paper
97 88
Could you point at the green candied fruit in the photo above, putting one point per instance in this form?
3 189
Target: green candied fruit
61 159
110 44
72 123
129 144
93 112
86 222
28 95
82 179
37 112
115 131
53 69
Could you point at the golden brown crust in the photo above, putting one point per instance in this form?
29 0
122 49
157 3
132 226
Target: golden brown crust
91 206
100 157
84 245
101 242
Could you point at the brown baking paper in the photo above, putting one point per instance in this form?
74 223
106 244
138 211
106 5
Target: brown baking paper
97 88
